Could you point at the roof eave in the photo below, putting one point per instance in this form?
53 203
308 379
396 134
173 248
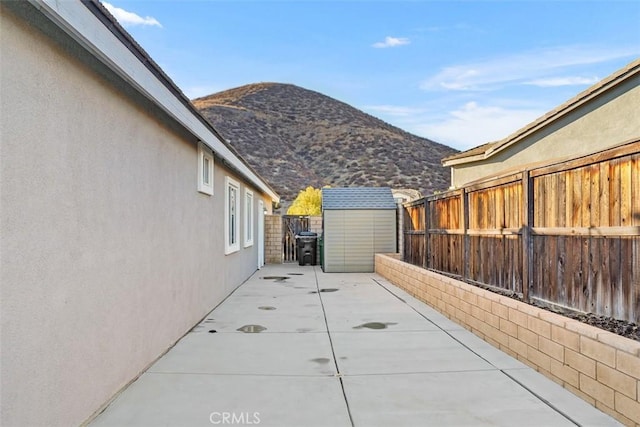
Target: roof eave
98 39
571 105
462 160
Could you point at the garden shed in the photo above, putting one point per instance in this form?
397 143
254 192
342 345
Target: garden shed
357 223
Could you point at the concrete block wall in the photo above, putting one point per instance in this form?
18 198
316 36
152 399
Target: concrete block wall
600 367
273 239
315 224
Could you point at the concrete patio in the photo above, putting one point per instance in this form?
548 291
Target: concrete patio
317 349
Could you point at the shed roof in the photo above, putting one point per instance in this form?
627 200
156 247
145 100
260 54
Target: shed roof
357 198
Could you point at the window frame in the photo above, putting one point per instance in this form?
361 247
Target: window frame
231 236
205 165
248 218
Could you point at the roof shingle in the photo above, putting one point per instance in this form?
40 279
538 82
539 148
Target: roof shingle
357 198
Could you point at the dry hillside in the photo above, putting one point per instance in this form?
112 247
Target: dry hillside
296 137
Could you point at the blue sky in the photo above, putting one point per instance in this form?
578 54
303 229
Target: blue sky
459 72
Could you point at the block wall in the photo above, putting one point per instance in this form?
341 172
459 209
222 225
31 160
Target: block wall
600 367
273 239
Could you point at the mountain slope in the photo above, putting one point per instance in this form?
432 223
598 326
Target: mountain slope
296 137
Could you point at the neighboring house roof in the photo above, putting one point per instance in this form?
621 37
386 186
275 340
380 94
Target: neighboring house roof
485 151
357 198
117 50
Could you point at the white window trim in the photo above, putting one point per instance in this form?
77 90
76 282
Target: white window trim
248 218
230 247
205 157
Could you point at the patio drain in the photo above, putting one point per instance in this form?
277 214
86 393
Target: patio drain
266 307
252 329
375 325
296 274
212 331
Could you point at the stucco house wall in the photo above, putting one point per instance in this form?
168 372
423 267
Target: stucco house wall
108 253
605 115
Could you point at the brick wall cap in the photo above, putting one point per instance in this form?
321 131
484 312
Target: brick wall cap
584 329
554 318
620 343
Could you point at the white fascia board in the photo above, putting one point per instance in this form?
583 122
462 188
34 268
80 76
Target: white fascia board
78 21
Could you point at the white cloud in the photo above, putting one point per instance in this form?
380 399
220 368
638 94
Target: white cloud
463 126
563 81
130 19
521 68
391 42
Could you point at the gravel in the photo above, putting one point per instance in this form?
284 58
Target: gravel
620 327
616 326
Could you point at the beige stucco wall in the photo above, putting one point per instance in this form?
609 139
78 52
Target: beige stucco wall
608 120
108 254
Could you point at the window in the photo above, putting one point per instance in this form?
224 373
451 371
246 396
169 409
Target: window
231 213
205 169
248 218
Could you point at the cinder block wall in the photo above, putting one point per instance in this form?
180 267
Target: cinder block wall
315 224
273 239
600 367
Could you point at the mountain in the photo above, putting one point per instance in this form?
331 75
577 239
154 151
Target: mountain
295 137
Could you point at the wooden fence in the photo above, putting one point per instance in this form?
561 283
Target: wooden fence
291 226
566 234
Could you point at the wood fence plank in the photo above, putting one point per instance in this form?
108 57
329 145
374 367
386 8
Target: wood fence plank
634 310
568 222
624 303
625 192
593 263
576 213
577 272
635 189
500 208
614 264
561 197
538 202
595 196
614 192
604 194
552 200
560 279
528 213
585 288
586 197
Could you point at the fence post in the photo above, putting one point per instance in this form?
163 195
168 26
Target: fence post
527 238
426 251
464 221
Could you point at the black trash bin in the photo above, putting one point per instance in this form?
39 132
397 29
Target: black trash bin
306 247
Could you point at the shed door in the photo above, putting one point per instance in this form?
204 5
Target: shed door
359 232
334 243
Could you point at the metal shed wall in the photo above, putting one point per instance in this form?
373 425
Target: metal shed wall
352 237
